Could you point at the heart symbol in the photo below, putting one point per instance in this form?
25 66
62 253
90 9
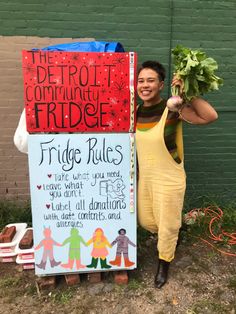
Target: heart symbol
48 205
49 175
39 187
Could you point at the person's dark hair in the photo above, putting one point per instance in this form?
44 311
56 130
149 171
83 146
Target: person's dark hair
155 66
122 230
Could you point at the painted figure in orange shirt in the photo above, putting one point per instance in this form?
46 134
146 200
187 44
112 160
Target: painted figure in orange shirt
100 243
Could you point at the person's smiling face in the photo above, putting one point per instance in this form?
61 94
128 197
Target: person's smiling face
149 87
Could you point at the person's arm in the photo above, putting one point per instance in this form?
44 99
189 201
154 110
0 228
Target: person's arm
131 243
21 135
107 243
114 242
199 111
37 247
56 243
82 240
89 242
66 241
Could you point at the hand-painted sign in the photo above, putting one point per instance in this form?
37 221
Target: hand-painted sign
83 202
79 92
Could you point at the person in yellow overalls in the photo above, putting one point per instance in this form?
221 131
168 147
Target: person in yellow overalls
162 179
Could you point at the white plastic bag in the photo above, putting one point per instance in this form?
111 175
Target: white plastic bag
21 135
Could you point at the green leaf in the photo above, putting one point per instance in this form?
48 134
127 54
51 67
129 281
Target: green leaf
196 70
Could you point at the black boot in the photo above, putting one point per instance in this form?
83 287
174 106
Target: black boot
162 273
94 263
104 264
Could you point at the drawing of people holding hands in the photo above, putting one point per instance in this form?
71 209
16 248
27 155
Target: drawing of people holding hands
123 243
75 241
99 251
47 243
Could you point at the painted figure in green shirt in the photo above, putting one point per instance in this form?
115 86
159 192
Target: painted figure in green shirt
75 241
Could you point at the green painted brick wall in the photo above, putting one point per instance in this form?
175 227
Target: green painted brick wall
210 151
151 28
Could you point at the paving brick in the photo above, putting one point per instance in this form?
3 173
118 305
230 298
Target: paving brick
95 277
121 277
47 282
72 279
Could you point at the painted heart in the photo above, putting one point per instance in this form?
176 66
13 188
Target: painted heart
39 187
49 175
48 205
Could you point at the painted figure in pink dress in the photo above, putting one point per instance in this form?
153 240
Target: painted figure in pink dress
47 243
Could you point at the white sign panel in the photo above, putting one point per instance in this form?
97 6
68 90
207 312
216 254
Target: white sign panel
83 202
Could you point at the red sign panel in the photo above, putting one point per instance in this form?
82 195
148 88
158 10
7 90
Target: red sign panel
79 92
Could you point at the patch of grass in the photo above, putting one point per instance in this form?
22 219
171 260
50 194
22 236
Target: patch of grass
194 285
142 235
63 296
9 282
209 306
135 284
14 212
193 270
229 218
229 210
31 290
232 283
211 255
191 233
120 288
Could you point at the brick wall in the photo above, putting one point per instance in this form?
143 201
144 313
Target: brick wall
150 28
210 151
14 183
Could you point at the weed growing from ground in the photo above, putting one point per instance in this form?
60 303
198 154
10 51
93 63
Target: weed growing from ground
9 282
200 229
62 296
135 284
31 290
13 212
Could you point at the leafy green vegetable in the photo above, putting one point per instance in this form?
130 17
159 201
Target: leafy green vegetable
196 70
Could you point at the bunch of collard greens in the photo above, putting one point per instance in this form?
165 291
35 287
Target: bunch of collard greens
196 70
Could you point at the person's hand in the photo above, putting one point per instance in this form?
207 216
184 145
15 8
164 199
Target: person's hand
177 82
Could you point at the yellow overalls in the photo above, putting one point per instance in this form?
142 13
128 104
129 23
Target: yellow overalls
161 186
